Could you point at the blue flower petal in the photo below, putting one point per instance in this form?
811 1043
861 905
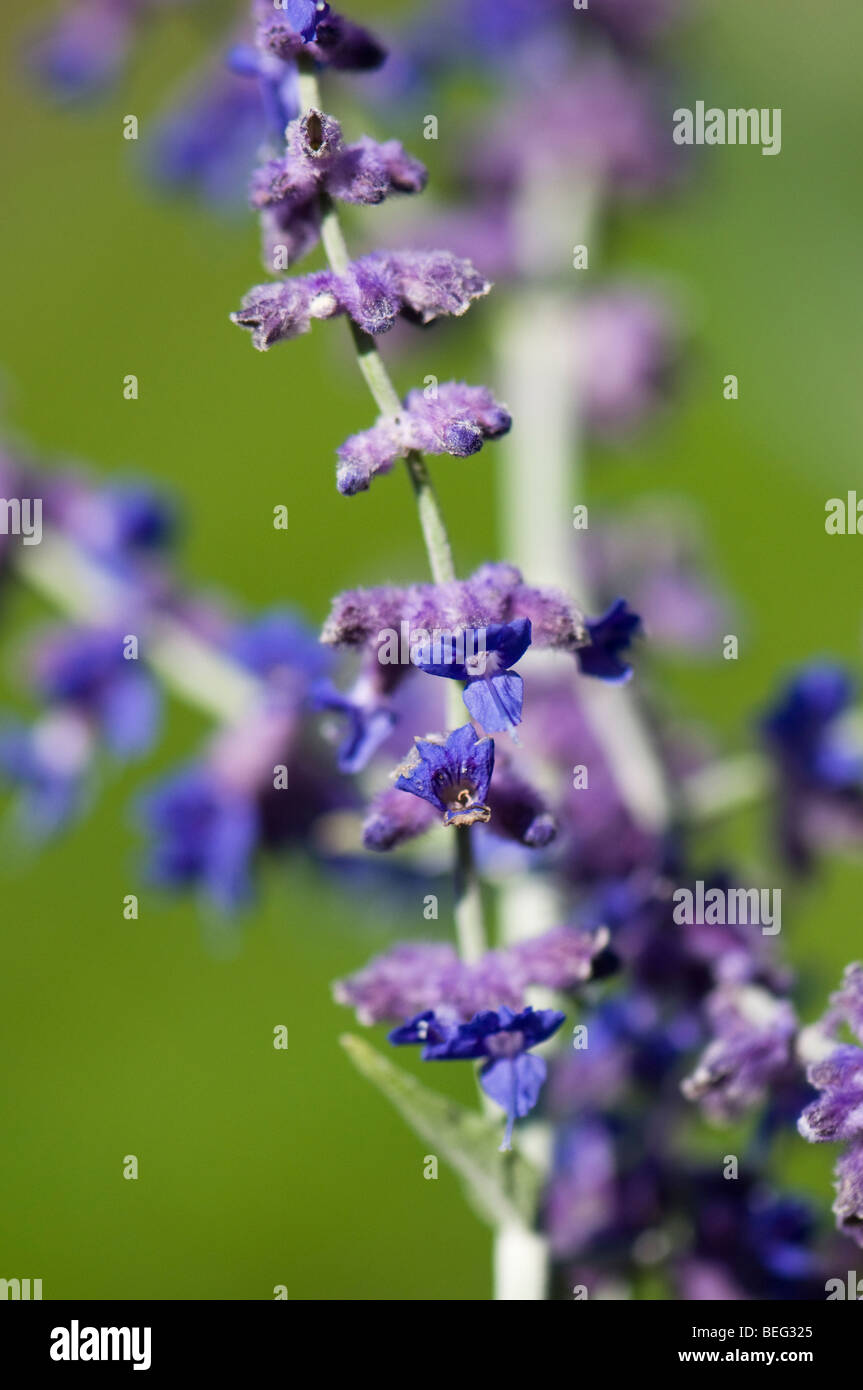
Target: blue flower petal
497 703
514 1084
610 635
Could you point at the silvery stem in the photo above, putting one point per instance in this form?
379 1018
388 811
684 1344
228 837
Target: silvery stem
470 926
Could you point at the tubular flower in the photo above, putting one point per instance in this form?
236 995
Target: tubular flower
483 659
512 1076
452 774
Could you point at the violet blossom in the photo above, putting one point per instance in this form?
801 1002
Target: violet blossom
452 419
452 774
493 691
511 1075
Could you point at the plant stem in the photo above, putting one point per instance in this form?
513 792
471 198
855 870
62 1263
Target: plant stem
374 370
469 920
520 1265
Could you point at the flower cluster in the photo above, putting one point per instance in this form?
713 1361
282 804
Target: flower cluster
447 419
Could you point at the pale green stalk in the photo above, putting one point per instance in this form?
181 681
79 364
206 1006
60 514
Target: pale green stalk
470 926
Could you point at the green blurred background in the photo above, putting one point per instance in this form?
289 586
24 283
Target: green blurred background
260 1167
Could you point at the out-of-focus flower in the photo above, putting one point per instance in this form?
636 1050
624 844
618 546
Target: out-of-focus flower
202 835
628 351
751 1048
93 695
604 123
820 773
755 1241
369 721
658 560
581 1197
86 670
48 762
633 23
210 137
262 784
86 48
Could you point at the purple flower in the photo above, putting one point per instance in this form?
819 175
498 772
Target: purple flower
511 1076
289 190
208 141
495 593
661 564
411 978
203 835
629 361
483 659
801 728
452 774
848 1206
312 28
418 285
581 1199
85 670
751 1049
457 420
279 646
847 1002
519 811
633 23
369 723
820 773
610 635
284 27
49 762
403 982
758 1244
305 15
837 1114
394 819
606 120
210 823
84 50
284 309
346 46
374 292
